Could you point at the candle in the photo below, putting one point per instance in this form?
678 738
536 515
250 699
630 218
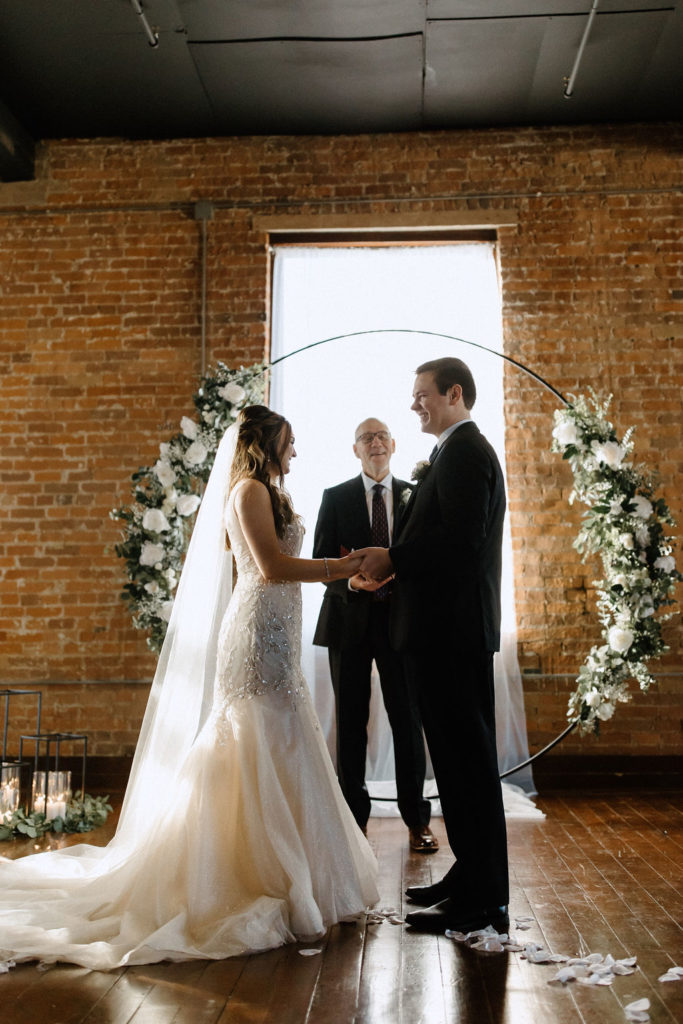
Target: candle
9 794
58 794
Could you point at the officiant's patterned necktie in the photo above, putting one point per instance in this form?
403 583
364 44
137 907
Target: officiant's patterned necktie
379 532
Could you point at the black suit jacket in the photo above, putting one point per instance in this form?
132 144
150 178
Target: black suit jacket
447 555
343 522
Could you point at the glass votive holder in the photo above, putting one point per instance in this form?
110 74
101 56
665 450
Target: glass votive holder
58 794
10 784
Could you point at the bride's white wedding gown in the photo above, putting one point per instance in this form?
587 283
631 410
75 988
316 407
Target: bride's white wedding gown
261 849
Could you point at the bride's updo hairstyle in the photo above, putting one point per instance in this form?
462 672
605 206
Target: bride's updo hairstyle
261 439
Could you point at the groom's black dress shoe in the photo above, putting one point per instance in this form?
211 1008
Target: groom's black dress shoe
428 895
446 915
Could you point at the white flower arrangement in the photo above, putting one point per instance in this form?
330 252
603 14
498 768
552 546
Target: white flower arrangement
168 494
625 523
420 470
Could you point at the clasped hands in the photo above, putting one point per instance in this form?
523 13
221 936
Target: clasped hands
374 569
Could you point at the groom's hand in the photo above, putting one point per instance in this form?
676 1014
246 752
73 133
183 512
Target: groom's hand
360 582
375 563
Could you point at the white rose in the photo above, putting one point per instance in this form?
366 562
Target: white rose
170 577
592 698
155 520
620 580
643 507
189 428
666 563
196 454
605 711
164 449
164 473
609 452
615 508
565 433
647 607
209 416
150 553
165 610
187 504
232 393
152 588
626 541
620 638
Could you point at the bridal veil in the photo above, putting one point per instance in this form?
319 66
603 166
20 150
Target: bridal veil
179 700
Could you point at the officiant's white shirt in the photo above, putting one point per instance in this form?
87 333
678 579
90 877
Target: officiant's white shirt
387 494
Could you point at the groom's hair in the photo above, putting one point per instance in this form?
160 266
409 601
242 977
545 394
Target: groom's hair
449 371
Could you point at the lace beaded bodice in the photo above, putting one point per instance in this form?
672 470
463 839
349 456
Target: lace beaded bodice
290 544
259 645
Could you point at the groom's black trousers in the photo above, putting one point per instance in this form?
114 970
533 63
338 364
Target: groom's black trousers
350 669
456 699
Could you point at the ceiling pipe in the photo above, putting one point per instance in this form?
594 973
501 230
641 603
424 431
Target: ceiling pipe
152 36
569 82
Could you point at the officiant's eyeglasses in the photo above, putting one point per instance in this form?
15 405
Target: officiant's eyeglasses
381 435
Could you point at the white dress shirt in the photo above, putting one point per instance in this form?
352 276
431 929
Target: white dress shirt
449 430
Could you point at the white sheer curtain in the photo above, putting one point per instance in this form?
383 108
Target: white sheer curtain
320 293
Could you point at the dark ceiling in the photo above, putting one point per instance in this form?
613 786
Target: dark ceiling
84 68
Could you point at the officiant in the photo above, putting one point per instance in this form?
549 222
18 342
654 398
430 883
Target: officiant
354 626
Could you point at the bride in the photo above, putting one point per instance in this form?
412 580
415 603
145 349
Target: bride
234 836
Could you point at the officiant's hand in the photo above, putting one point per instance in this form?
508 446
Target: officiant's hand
359 582
375 564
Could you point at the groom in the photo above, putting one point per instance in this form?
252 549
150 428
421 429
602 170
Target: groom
446 622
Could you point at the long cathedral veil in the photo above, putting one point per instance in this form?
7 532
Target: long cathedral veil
181 693
180 697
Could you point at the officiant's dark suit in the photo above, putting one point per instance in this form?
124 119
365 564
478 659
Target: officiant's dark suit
354 626
446 622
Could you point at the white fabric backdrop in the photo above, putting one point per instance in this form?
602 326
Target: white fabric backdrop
319 293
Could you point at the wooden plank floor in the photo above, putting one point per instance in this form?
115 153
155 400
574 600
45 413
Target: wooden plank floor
601 874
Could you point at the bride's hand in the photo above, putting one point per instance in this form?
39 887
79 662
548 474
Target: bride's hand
347 565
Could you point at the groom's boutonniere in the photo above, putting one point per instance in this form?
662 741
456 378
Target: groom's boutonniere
405 496
421 470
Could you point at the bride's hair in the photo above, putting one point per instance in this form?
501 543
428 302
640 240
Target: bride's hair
261 439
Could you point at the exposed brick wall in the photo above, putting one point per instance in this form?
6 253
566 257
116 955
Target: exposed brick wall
100 340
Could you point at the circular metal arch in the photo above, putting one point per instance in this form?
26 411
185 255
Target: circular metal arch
513 362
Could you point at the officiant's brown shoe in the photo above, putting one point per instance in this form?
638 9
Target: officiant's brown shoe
423 840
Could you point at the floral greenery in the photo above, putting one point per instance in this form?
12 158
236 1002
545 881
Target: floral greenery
82 815
167 496
625 523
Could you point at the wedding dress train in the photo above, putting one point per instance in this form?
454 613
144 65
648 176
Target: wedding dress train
257 846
